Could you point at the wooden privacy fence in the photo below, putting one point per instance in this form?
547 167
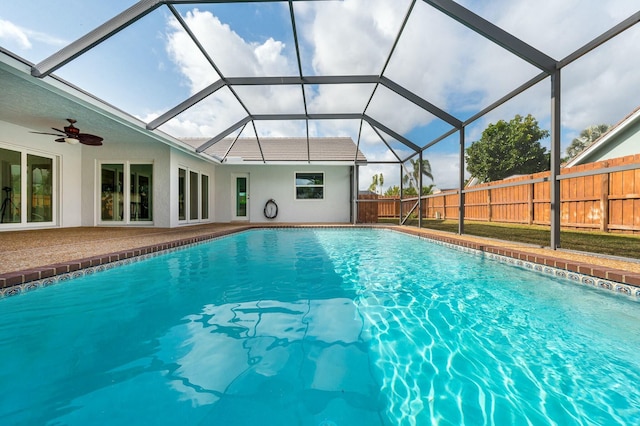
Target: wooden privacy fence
608 201
367 208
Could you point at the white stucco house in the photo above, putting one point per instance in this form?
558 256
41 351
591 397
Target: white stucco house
142 177
620 140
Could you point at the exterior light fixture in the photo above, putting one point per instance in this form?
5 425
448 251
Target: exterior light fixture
71 141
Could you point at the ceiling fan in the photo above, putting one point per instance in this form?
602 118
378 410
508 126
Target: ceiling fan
72 135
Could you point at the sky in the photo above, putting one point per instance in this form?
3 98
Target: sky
153 65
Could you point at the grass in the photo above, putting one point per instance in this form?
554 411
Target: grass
586 241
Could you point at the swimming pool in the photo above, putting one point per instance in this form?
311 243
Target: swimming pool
319 327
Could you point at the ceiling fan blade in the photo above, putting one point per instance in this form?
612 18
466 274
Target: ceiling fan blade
87 139
71 134
44 133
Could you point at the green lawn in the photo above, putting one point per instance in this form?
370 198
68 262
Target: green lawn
594 242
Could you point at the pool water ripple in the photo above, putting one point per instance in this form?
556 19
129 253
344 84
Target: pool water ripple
319 327
480 356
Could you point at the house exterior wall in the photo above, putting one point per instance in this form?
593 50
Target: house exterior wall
77 194
627 143
179 160
78 183
278 182
623 140
121 152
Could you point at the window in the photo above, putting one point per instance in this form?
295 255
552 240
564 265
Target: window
193 195
119 205
241 196
40 188
204 189
309 185
111 196
26 187
10 180
140 194
182 194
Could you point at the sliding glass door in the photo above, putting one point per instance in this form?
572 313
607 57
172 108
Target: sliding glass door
27 188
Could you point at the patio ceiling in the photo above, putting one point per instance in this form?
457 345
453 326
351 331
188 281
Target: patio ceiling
218 89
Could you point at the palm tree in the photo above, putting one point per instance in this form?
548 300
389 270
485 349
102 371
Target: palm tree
413 178
377 180
374 183
392 191
586 138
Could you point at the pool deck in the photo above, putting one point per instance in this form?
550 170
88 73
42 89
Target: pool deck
33 255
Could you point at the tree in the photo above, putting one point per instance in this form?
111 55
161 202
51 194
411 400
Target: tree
377 180
586 138
508 148
374 183
413 192
392 191
413 177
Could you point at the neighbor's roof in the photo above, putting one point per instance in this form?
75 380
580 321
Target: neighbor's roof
608 137
329 149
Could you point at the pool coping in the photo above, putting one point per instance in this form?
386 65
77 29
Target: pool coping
19 281
25 276
606 278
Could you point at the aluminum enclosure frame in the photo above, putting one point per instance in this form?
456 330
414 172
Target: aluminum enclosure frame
548 66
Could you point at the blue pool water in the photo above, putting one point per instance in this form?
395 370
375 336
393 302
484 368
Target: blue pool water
319 327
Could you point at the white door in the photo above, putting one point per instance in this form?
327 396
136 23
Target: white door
240 196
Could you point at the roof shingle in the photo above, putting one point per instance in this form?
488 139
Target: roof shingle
289 149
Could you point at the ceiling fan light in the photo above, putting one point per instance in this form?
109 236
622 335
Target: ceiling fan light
71 141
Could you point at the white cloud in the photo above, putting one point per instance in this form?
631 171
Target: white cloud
559 28
21 39
437 58
338 98
603 86
445 169
234 56
11 33
350 37
270 56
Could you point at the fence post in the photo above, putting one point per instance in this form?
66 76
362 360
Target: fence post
604 203
531 211
489 204
444 206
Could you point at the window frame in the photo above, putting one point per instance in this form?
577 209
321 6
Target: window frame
26 189
199 192
320 186
204 197
126 193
